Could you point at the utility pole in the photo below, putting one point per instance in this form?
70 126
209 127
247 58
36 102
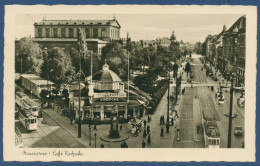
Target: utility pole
168 105
230 113
79 125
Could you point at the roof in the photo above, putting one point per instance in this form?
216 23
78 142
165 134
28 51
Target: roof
240 24
113 22
106 75
42 82
30 76
212 129
56 39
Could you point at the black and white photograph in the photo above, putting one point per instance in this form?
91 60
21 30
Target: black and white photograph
108 80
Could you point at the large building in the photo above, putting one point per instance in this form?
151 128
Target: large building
226 50
64 33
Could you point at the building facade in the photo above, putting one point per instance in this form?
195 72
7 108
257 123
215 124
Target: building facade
64 33
227 50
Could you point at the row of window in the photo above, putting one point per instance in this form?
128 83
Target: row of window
72 32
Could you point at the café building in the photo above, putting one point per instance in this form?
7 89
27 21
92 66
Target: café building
107 93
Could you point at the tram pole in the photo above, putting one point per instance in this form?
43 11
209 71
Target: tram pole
168 105
230 113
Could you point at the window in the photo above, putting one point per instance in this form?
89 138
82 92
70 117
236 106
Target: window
95 32
70 32
103 33
63 33
40 32
87 30
47 31
55 32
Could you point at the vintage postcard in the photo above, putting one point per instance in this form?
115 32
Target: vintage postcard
129 83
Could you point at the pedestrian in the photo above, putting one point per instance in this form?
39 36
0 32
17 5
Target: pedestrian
163 119
136 132
148 129
145 123
172 121
95 126
102 145
161 132
71 119
125 145
121 126
144 134
143 144
149 139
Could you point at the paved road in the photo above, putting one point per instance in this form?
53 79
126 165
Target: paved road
209 103
48 135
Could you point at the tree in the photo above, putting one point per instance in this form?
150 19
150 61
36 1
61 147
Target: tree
57 66
188 67
28 57
175 49
116 57
173 38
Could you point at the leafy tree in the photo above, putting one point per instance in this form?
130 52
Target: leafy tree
188 67
28 57
43 94
116 57
57 66
175 49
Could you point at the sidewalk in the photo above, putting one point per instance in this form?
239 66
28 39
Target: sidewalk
133 142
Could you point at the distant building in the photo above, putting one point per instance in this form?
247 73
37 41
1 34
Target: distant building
64 33
165 41
147 43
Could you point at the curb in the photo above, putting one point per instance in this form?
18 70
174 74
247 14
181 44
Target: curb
64 128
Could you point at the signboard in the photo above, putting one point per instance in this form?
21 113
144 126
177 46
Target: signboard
101 95
110 99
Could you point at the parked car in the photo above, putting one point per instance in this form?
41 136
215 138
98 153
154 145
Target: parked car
238 131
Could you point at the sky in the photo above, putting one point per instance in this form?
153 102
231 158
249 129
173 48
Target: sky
187 27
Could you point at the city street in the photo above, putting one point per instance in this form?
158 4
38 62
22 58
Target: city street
209 102
55 130
48 135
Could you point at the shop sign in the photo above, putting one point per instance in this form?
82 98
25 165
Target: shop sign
110 99
101 95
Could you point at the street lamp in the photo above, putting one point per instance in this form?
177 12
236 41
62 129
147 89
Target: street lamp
175 69
89 134
79 74
168 105
95 139
230 117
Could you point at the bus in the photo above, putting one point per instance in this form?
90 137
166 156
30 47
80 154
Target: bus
27 119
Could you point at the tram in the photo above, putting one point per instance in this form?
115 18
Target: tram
19 98
27 119
30 104
211 131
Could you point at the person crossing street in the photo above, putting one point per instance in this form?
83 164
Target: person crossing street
161 132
